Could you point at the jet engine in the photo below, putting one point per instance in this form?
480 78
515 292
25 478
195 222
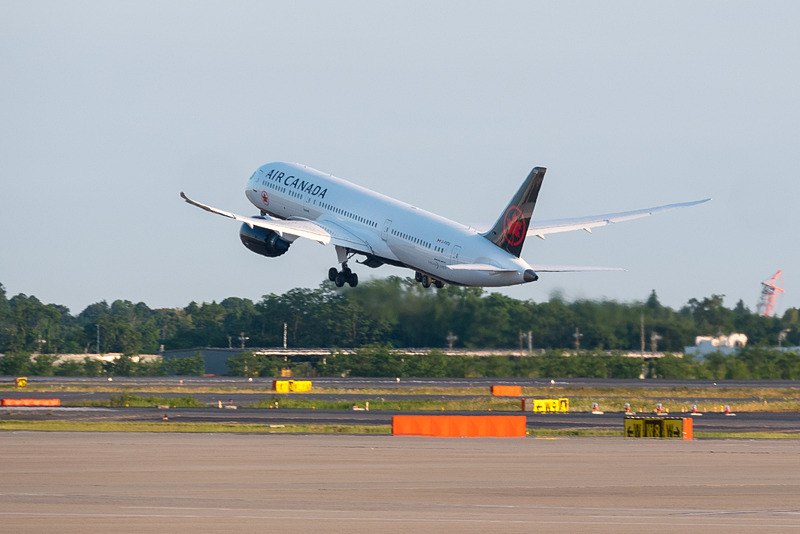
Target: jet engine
262 241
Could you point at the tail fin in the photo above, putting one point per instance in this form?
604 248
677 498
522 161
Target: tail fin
510 229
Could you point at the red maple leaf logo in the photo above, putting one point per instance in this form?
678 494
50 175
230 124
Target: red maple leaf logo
513 226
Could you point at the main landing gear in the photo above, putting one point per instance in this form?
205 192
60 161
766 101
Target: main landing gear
426 280
345 276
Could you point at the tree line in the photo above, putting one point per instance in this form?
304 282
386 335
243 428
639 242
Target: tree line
760 363
24 364
391 312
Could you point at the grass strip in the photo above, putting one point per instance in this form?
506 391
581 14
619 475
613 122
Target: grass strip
477 404
485 403
676 400
167 426
686 393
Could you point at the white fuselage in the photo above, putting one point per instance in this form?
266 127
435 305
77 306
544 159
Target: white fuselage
381 226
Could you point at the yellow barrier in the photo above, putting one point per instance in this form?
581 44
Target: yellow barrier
545 405
21 381
291 386
299 386
659 427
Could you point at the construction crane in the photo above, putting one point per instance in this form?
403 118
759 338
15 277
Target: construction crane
769 293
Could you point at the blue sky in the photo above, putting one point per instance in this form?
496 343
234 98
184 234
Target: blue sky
109 109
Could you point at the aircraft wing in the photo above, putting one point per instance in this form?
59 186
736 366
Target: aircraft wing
299 228
541 228
342 236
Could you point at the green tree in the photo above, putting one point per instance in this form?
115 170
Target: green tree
69 368
672 367
121 366
15 363
93 366
192 365
431 365
42 365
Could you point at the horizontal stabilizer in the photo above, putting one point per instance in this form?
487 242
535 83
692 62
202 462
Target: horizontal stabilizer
306 229
571 268
541 228
482 267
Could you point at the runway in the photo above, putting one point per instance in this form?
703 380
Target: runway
242 392
120 482
774 422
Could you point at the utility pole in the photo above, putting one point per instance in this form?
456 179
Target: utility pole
243 338
98 338
782 336
284 335
451 339
654 337
641 319
577 336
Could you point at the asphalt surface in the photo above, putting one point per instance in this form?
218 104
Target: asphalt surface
782 422
148 482
151 482
788 422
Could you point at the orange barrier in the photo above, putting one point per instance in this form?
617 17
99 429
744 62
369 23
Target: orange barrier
507 391
31 402
460 426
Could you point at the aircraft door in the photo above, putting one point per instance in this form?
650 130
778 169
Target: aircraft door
385 231
456 253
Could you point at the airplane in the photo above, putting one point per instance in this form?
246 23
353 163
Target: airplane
296 201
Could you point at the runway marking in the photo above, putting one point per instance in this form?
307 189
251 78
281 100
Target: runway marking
614 520
663 512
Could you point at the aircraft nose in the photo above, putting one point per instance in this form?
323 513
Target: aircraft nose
530 276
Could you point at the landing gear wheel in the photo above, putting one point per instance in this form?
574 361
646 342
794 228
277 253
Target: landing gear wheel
438 283
426 282
418 276
345 276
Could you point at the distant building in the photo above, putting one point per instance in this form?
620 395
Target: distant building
722 344
215 359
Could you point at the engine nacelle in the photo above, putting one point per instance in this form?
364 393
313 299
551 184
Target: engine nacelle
262 241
